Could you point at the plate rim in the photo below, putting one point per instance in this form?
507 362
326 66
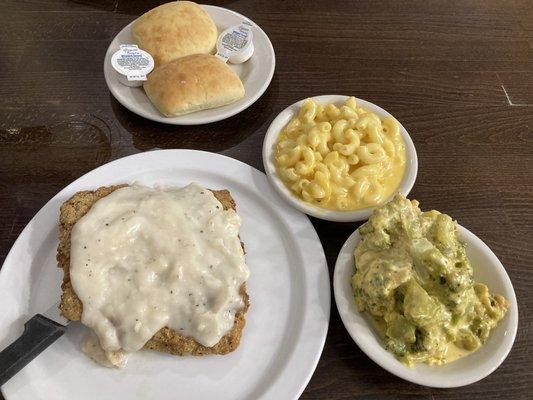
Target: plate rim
184 120
398 369
284 116
321 278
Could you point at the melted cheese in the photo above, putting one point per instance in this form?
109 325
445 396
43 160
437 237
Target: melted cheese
143 259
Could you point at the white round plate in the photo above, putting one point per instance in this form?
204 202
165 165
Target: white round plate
464 371
255 75
286 324
283 118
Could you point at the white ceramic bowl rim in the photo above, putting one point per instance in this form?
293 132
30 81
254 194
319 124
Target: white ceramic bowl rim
411 167
472 368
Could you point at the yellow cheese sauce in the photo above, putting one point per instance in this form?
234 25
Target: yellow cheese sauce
414 280
341 158
454 352
143 259
451 351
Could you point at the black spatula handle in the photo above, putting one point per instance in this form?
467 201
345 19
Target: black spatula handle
39 333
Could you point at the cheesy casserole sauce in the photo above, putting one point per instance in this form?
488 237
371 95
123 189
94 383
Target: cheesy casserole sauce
414 280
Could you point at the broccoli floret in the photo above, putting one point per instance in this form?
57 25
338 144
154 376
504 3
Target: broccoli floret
366 228
419 345
397 347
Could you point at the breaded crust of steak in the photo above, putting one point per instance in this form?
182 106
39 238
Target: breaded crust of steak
165 339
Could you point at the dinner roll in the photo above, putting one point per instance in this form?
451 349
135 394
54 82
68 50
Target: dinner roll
193 83
174 30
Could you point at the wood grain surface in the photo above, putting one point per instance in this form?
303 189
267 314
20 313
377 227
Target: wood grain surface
457 74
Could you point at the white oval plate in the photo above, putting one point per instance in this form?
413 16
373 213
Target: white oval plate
464 371
283 118
255 75
289 292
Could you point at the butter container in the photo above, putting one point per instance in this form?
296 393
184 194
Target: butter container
235 44
132 65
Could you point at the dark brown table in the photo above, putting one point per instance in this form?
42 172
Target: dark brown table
457 74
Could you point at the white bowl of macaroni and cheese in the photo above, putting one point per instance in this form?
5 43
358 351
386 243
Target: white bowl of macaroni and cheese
337 157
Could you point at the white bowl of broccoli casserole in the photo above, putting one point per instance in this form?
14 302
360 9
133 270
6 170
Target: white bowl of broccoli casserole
424 297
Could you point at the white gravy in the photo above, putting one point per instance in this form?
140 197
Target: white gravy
143 258
90 345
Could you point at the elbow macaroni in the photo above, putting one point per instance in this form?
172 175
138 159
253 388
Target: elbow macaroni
342 158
